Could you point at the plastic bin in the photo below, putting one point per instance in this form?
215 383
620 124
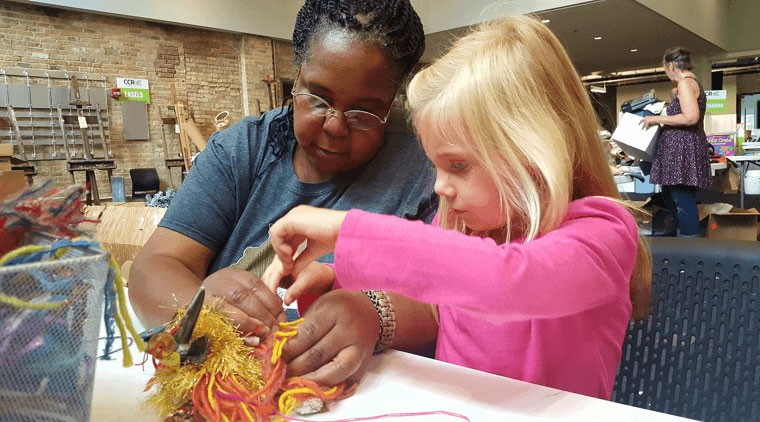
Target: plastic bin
752 182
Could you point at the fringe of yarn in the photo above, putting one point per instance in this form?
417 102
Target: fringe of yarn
236 382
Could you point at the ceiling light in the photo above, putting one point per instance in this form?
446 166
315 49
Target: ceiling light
597 38
545 20
633 50
598 89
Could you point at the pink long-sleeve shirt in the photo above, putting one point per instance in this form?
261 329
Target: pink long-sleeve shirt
552 311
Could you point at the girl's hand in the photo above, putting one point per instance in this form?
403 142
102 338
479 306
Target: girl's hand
316 278
317 227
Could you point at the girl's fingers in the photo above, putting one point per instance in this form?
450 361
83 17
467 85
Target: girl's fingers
304 258
273 275
316 278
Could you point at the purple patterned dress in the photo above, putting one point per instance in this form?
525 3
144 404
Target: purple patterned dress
682 156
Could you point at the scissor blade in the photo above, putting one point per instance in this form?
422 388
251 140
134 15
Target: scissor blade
188 320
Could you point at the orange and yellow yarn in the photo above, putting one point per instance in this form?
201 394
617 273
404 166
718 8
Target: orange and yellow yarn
236 382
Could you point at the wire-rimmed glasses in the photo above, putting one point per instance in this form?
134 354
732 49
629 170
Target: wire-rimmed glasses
319 107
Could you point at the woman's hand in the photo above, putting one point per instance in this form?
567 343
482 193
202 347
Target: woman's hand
246 300
318 227
337 336
648 121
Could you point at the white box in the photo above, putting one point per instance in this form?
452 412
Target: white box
636 141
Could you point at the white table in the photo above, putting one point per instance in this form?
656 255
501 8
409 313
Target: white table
396 382
743 162
715 167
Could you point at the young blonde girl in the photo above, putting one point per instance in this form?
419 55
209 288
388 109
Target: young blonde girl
533 264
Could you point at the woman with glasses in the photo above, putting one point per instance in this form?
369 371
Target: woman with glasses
340 145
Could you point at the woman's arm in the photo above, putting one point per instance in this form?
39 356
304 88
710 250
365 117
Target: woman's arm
688 92
171 267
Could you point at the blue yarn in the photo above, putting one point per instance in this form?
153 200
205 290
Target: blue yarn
160 199
109 313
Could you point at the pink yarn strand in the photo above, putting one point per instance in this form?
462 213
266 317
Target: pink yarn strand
384 416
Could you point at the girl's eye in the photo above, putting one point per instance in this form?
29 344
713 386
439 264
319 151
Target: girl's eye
458 166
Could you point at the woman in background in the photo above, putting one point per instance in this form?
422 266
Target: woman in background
681 162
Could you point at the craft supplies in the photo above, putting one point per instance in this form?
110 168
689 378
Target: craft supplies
234 381
52 291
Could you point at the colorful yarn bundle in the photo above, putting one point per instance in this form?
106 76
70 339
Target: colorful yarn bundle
52 288
235 382
55 211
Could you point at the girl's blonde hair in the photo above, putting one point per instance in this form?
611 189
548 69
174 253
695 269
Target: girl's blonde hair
510 93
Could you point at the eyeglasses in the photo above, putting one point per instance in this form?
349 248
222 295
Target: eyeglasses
319 107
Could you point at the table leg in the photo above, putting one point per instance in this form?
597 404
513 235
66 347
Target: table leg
742 170
93 186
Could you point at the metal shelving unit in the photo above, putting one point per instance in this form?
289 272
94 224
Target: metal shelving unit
45 123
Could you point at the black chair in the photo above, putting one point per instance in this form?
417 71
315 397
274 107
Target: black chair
144 181
698 353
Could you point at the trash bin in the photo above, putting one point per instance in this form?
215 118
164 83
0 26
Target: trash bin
752 182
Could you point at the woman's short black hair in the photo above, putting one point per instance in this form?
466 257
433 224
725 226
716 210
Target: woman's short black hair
680 57
393 24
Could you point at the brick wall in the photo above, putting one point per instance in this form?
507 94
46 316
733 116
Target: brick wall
204 68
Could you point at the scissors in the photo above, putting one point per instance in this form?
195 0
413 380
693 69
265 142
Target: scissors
178 348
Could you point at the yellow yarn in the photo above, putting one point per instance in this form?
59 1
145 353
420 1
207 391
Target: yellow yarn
121 317
19 303
228 355
24 250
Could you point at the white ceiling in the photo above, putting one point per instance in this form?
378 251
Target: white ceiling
623 25
717 28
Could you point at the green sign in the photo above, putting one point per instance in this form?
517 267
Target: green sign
133 89
716 102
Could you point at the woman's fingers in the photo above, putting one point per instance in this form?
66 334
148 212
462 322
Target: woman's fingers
245 299
345 364
337 335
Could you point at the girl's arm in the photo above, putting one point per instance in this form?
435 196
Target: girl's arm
585 263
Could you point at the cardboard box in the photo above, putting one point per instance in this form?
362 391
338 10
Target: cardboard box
11 183
726 180
634 139
6 150
124 229
5 163
732 223
723 144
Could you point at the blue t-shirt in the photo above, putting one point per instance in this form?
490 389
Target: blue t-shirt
244 181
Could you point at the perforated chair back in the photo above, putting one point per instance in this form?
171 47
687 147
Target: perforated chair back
698 353
144 180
